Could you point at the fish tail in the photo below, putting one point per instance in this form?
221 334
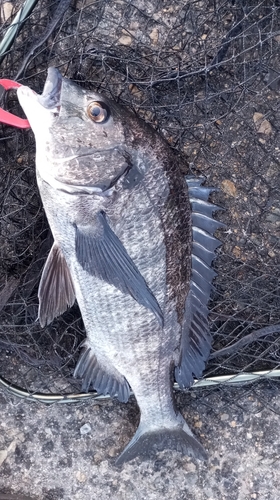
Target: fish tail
147 442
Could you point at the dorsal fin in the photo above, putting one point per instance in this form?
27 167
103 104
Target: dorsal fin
196 337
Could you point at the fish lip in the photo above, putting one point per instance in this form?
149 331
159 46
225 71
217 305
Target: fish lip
50 98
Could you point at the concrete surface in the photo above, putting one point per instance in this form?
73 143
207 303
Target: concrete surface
47 454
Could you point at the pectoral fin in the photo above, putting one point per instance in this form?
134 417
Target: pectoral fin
101 254
56 290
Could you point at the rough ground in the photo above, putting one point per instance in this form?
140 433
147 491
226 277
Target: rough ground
45 456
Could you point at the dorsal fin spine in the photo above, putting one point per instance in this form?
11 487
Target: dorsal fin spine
196 337
204 223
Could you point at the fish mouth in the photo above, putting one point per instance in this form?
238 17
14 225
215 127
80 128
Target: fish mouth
50 98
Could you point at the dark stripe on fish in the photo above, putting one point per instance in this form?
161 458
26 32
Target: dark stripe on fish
176 217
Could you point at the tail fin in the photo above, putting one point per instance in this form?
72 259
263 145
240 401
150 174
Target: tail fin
146 443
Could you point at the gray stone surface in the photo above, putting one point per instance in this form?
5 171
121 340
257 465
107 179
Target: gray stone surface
43 453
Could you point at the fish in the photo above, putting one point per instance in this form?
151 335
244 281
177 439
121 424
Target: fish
133 244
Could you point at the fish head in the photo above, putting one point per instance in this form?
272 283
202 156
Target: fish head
81 136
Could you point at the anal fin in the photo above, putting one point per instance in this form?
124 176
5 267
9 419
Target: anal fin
104 380
56 290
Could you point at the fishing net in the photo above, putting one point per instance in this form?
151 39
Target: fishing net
206 75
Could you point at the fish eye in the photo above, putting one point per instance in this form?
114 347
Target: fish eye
98 112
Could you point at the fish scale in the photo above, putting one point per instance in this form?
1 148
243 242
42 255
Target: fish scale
129 249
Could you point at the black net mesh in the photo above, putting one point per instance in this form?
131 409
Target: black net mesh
206 75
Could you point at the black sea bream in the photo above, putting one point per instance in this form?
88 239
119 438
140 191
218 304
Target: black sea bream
124 246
